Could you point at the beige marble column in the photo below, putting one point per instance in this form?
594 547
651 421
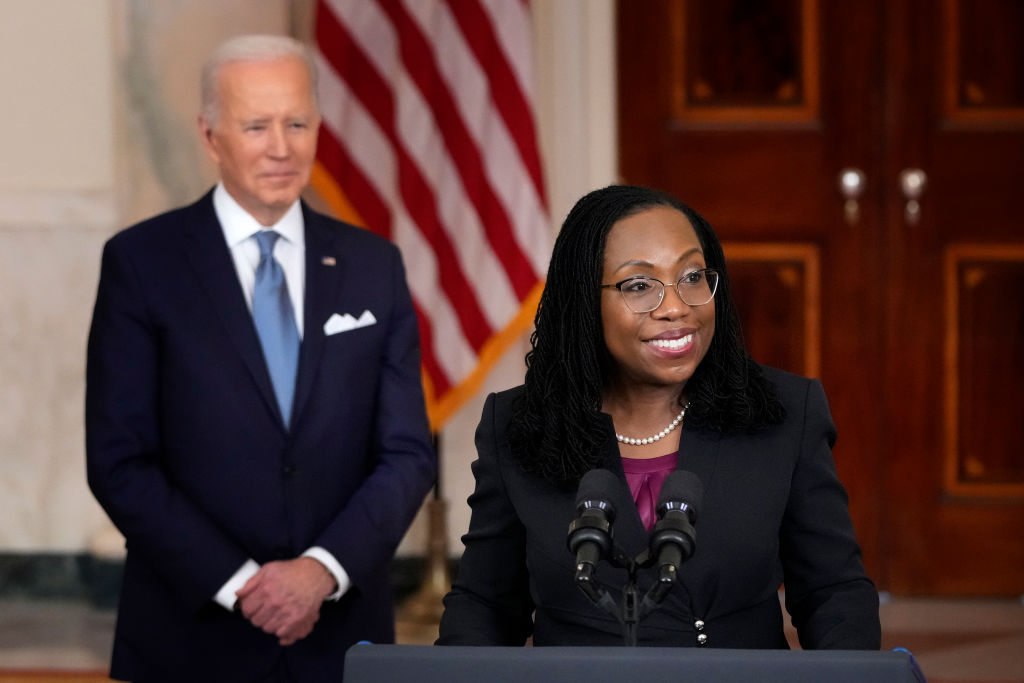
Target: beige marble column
56 205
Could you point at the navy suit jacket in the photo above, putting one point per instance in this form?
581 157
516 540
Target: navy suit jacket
773 511
187 452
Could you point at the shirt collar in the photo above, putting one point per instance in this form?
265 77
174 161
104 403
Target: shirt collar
238 225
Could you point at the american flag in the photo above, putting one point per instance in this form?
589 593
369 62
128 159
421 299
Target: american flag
428 139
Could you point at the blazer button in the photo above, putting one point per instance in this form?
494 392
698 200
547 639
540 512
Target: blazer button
699 625
702 640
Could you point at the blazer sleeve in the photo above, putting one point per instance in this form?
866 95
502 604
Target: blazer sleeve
490 602
364 534
834 605
176 538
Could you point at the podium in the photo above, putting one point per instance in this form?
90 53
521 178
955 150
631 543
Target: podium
429 664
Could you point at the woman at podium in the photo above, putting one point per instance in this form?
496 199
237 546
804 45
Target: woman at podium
638 368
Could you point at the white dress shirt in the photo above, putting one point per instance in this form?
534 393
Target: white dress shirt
240 229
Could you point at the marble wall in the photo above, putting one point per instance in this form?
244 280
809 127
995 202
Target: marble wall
57 204
98 131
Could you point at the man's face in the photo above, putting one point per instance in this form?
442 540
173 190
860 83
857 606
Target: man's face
264 139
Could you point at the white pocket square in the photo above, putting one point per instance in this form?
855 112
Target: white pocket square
343 323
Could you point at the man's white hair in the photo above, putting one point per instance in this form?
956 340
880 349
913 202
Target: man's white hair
250 48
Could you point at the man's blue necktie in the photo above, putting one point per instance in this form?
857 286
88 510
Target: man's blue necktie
275 323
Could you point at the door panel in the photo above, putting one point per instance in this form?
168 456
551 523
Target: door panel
910 314
790 275
956 309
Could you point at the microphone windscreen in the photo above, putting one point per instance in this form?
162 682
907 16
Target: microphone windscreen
596 487
682 487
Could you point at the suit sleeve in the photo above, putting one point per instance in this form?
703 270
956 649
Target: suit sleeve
830 598
365 533
174 536
490 602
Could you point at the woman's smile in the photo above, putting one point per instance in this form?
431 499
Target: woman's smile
659 245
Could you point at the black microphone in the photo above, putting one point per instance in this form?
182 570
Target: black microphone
590 534
673 538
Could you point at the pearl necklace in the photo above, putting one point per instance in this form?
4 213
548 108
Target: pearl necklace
657 437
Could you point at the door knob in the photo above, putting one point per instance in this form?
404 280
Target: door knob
852 183
913 182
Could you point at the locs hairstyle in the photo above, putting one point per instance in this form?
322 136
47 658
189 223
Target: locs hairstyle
557 429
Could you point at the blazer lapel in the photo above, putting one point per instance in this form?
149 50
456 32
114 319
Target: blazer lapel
630 534
697 454
324 266
211 260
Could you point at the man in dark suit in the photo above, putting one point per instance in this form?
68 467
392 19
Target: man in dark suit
254 414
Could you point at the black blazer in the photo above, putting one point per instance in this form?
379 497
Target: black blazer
773 511
188 454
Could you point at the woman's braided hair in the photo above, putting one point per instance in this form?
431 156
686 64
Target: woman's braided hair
556 429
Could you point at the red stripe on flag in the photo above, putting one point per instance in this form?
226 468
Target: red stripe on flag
378 199
504 86
375 94
352 65
441 383
361 194
418 58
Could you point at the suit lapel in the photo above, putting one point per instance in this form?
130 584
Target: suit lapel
211 260
324 266
630 534
697 454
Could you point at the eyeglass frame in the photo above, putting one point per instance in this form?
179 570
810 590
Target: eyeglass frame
661 298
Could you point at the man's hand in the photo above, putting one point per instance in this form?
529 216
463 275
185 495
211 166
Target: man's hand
284 597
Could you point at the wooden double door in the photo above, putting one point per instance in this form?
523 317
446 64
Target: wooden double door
863 163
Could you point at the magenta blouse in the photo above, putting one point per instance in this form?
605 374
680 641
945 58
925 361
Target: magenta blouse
645 477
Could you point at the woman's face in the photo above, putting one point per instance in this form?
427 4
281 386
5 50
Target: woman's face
662 347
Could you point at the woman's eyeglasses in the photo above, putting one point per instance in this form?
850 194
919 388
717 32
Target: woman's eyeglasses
644 294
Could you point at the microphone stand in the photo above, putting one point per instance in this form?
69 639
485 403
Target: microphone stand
634 607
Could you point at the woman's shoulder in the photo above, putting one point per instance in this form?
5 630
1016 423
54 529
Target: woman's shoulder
799 395
509 395
501 404
783 380
788 386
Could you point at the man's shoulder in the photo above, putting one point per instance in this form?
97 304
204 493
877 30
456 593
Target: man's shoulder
166 225
353 235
